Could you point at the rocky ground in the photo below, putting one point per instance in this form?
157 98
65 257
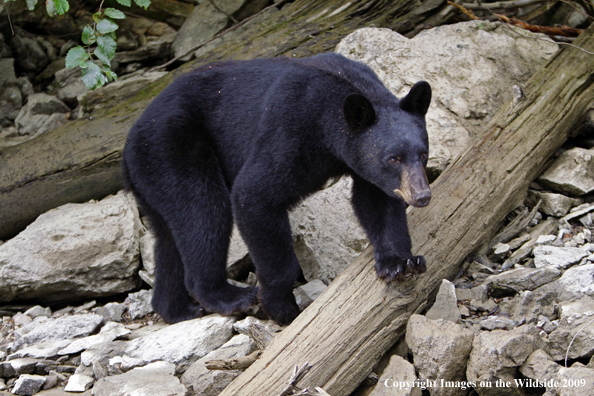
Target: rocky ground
75 286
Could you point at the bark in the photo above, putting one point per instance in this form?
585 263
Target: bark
80 161
343 334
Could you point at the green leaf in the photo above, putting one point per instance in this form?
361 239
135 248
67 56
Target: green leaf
106 26
97 17
92 75
50 7
126 3
107 45
143 3
31 4
88 35
76 57
102 56
62 6
115 14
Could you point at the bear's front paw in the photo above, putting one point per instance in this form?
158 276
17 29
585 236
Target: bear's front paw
283 310
392 269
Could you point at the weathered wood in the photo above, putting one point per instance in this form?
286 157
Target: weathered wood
346 330
80 161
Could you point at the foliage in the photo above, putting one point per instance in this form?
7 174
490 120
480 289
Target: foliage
94 57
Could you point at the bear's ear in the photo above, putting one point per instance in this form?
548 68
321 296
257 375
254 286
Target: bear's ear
418 99
359 112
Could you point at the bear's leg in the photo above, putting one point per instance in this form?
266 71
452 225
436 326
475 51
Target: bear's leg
267 232
384 221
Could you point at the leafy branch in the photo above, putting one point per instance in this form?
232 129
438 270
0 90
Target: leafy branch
99 39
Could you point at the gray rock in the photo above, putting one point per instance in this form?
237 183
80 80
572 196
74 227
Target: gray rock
69 85
440 350
560 257
20 319
29 54
397 379
154 379
43 350
478 293
41 114
545 240
496 356
108 333
582 379
446 304
11 99
204 22
37 311
501 250
498 323
552 204
17 367
201 381
540 366
525 278
471 67
28 384
572 172
139 304
73 251
111 311
78 383
200 336
528 306
576 282
43 329
573 329
306 294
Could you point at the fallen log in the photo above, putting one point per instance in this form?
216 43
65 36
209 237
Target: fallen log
343 334
80 161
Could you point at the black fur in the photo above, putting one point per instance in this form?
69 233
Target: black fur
245 142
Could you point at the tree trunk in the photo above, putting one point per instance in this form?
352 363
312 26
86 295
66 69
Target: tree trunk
358 318
80 161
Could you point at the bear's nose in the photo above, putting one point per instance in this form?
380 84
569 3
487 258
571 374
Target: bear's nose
423 198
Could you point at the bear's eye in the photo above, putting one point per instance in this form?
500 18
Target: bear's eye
423 156
395 160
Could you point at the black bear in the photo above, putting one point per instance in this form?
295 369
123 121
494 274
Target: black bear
245 141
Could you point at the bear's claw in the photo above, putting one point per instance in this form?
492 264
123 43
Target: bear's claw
397 269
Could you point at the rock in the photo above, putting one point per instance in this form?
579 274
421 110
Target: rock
69 85
501 250
43 329
470 66
498 323
328 236
204 22
572 172
201 381
11 98
111 312
552 204
28 384
29 53
527 306
540 366
446 304
43 350
37 311
78 383
20 319
17 367
41 114
576 282
306 294
496 356
139 303
200 336
560 257
523 279
108 333
73 251
478 293
154 379
440 350
147 254
545 240
574 381
573 330
397 379
104 96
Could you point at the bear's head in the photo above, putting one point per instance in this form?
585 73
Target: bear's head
389 146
